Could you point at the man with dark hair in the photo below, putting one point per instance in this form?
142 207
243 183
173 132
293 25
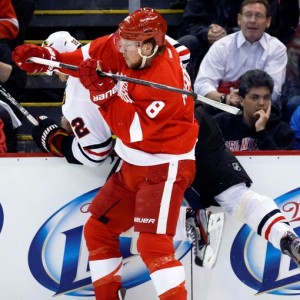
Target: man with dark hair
260 126
254 79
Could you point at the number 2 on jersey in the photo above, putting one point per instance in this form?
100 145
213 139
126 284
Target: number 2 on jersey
79 127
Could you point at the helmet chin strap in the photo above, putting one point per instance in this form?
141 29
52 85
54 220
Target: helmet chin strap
145 57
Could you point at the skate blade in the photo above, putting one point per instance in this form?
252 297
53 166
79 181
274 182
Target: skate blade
121 293
215 230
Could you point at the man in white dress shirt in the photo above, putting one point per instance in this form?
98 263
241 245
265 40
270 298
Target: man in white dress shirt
236 53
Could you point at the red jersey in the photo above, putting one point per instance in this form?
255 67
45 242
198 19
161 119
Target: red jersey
9 25
152 125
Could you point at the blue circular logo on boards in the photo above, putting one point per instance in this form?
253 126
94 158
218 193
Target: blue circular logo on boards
261 266
58 258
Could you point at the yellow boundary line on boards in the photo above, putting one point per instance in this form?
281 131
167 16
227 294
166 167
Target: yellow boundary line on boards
41 104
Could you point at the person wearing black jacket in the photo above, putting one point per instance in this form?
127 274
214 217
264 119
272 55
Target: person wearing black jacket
285 18
260 126
206 21
203 23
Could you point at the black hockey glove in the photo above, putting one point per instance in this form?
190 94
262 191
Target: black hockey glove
48 136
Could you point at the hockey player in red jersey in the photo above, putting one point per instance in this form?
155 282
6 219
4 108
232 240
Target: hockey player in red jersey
156 135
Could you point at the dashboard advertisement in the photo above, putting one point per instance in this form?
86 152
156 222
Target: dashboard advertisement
43 208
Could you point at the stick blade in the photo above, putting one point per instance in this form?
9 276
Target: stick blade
222 106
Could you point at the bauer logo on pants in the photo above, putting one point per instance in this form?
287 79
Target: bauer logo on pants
58 258
268 271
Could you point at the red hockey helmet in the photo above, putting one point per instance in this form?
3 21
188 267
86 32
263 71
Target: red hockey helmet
144 24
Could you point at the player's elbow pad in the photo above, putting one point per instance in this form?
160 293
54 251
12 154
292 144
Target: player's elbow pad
67 150
76 154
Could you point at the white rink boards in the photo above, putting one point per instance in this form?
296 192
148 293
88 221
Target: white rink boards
43 203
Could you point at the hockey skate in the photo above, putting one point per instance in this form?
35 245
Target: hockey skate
121 293
290 245
204 229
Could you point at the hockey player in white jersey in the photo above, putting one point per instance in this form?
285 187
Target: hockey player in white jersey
90 140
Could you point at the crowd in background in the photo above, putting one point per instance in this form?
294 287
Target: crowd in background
226 39
206 27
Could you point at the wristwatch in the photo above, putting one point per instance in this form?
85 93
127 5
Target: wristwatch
222 99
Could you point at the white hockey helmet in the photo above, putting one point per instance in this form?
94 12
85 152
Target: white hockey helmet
62 41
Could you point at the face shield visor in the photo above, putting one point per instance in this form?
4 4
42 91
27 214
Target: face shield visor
123 45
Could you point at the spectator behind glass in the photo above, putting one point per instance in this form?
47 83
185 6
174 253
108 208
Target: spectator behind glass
206 21
260 126
233 55
12 78
203 23
285 18
295 125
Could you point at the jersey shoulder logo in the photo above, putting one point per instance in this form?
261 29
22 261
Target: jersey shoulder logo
123 91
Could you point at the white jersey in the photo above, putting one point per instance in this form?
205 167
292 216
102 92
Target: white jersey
93 139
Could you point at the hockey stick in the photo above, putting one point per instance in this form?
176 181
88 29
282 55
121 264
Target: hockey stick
13 101
231 109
